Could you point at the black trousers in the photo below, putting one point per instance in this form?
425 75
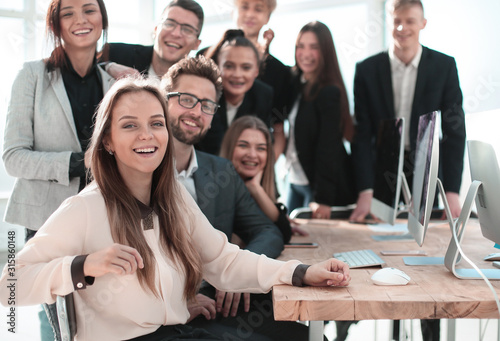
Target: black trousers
256 325
177 332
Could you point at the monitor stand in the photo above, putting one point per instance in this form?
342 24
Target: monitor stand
452 257
434 260
400 209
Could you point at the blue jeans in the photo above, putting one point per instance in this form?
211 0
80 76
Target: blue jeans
298 196
46 326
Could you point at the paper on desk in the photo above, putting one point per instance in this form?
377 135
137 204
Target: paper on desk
388 228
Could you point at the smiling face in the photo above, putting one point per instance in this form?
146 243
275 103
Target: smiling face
238 65
172 45
189 126
407 22
308 54
252 16
81 23
250 153
138 135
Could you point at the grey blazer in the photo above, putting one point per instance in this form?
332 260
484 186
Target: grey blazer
40 135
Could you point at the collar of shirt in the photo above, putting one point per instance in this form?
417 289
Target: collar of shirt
68 69
396 63
145 209
192 167
151 71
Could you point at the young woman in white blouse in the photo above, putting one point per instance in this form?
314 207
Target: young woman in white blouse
134 246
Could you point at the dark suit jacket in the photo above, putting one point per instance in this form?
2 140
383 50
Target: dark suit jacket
258 101
278 76
136 56
437 88
227 204
320 149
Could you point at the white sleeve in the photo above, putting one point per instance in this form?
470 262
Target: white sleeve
227 267
43 266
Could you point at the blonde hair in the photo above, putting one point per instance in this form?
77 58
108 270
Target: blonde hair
123 210
394 5
231 139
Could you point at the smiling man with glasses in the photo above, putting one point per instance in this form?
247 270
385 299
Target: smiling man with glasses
175 35
193 86
189 101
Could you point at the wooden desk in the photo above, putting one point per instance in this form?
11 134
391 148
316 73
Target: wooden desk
432 293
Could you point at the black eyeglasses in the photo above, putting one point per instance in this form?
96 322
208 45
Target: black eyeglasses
189 101
186 30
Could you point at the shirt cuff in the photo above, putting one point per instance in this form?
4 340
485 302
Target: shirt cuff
298 275
80 281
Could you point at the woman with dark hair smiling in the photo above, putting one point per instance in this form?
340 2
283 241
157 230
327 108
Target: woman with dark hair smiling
49 119
136 250
243 94
316 158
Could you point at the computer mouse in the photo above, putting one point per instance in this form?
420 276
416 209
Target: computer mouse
390 276
492 256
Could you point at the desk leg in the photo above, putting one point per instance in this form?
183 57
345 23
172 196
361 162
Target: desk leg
452 330
316 330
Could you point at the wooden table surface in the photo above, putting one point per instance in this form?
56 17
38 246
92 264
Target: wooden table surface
433 291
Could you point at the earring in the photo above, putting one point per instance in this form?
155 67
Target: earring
110 152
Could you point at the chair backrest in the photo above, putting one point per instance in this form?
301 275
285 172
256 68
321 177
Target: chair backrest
336 212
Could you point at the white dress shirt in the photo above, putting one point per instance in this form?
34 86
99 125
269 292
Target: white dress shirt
296 174
404 79
185 177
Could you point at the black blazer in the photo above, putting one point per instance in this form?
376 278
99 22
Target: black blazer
320 148
138 57
437 88
258 101
278 76
224 199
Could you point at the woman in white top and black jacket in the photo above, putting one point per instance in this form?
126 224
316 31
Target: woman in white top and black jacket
319 166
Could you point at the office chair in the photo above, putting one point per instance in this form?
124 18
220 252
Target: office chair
66 317
336 212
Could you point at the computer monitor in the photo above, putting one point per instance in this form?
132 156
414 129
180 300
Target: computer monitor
389 177
425 182
425 176
485 176
483 165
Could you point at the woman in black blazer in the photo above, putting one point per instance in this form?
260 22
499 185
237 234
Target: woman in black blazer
243 94
316 159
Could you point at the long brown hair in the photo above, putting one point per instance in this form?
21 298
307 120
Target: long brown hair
230 140
328 73
123 210
53 31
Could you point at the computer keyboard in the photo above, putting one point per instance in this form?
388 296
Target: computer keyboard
359 258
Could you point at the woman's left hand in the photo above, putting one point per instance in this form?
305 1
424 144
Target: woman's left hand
255 181
331 272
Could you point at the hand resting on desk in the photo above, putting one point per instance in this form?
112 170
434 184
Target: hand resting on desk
327 273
